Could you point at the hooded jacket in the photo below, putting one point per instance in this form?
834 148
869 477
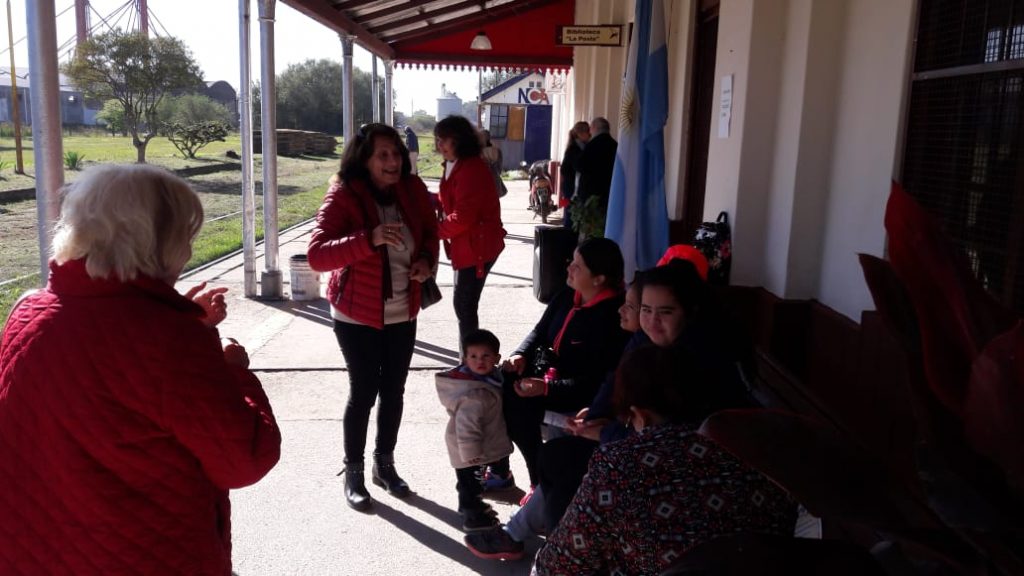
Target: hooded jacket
476 431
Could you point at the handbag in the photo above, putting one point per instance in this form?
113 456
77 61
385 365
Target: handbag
714 240
430 293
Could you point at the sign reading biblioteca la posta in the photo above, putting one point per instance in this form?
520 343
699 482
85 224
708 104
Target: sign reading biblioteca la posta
609 35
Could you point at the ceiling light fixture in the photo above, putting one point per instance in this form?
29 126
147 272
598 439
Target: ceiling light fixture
480 41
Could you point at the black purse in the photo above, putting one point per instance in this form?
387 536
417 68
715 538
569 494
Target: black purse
430 293
714 240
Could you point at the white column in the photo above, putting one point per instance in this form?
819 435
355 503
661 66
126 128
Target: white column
347 105
245 128
375 89
389 93
46 125
270 279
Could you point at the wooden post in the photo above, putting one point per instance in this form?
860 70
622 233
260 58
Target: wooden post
19 164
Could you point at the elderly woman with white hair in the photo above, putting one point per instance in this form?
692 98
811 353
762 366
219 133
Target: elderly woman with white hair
123 419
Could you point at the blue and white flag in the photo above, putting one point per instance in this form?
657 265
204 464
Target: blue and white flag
637 217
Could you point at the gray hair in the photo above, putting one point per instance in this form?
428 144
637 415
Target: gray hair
600 125
127 220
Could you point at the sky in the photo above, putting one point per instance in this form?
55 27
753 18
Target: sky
213 39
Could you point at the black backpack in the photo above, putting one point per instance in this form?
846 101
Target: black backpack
714 240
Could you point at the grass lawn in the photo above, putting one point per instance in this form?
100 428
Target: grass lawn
302 182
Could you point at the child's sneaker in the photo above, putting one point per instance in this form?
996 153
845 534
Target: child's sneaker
494 544
494 481
477 519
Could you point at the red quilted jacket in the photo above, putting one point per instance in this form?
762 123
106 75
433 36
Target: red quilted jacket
340 243
471 229
121 430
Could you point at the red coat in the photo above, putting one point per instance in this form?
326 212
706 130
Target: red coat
471 229
121 430
341 244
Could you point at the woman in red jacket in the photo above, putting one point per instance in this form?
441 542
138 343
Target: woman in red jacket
123 419
471 229
376 233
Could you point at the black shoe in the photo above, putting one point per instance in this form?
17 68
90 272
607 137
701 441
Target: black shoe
494 544
356 495
385 476
479 519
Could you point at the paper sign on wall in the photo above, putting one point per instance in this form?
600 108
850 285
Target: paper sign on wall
725 107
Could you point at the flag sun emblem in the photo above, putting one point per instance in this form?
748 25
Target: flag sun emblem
628 110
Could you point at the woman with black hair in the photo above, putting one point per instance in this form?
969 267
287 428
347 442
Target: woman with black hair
471 229
376 233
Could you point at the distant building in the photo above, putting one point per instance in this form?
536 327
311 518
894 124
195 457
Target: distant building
222 92
448 104
74 109
517 112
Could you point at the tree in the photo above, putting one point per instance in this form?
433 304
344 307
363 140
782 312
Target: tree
190 138
137 71
112 116
309 96
491 80
189 109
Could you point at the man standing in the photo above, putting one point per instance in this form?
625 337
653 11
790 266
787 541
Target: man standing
413 144
595 165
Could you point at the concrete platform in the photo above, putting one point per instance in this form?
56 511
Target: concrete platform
295 520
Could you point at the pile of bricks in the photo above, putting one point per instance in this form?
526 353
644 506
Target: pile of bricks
298 142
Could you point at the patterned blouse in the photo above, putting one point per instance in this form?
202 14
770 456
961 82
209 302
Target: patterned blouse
648 499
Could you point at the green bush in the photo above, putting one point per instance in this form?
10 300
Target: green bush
190 138
73 160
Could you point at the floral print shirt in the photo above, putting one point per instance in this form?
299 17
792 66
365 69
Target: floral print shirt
648 499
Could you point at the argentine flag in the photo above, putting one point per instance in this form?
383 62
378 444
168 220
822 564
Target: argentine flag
637 217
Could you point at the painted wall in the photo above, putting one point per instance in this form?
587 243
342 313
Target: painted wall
680 16
818 90
873 81
599 70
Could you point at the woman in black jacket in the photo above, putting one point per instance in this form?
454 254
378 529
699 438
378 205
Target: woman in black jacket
560 365
578 137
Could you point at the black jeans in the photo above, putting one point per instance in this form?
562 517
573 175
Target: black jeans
378 363
523 417
562 463
466 298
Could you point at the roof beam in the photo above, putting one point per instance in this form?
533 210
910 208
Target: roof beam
427 16
331 17
349 4
397 8
470 21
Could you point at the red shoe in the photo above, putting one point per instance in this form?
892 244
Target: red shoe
526 497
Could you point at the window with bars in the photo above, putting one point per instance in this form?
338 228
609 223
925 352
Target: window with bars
499 121
964 157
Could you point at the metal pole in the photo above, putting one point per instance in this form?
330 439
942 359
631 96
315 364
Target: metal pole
41 21
389 93
347 105
375 89
270 280
245 127
143 10
19 162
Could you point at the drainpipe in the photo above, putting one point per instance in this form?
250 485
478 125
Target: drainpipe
270 280
245 127
348 108
389 96
41 21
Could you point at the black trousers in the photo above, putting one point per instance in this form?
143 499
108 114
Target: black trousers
523 417
562 463
378 363
466 298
